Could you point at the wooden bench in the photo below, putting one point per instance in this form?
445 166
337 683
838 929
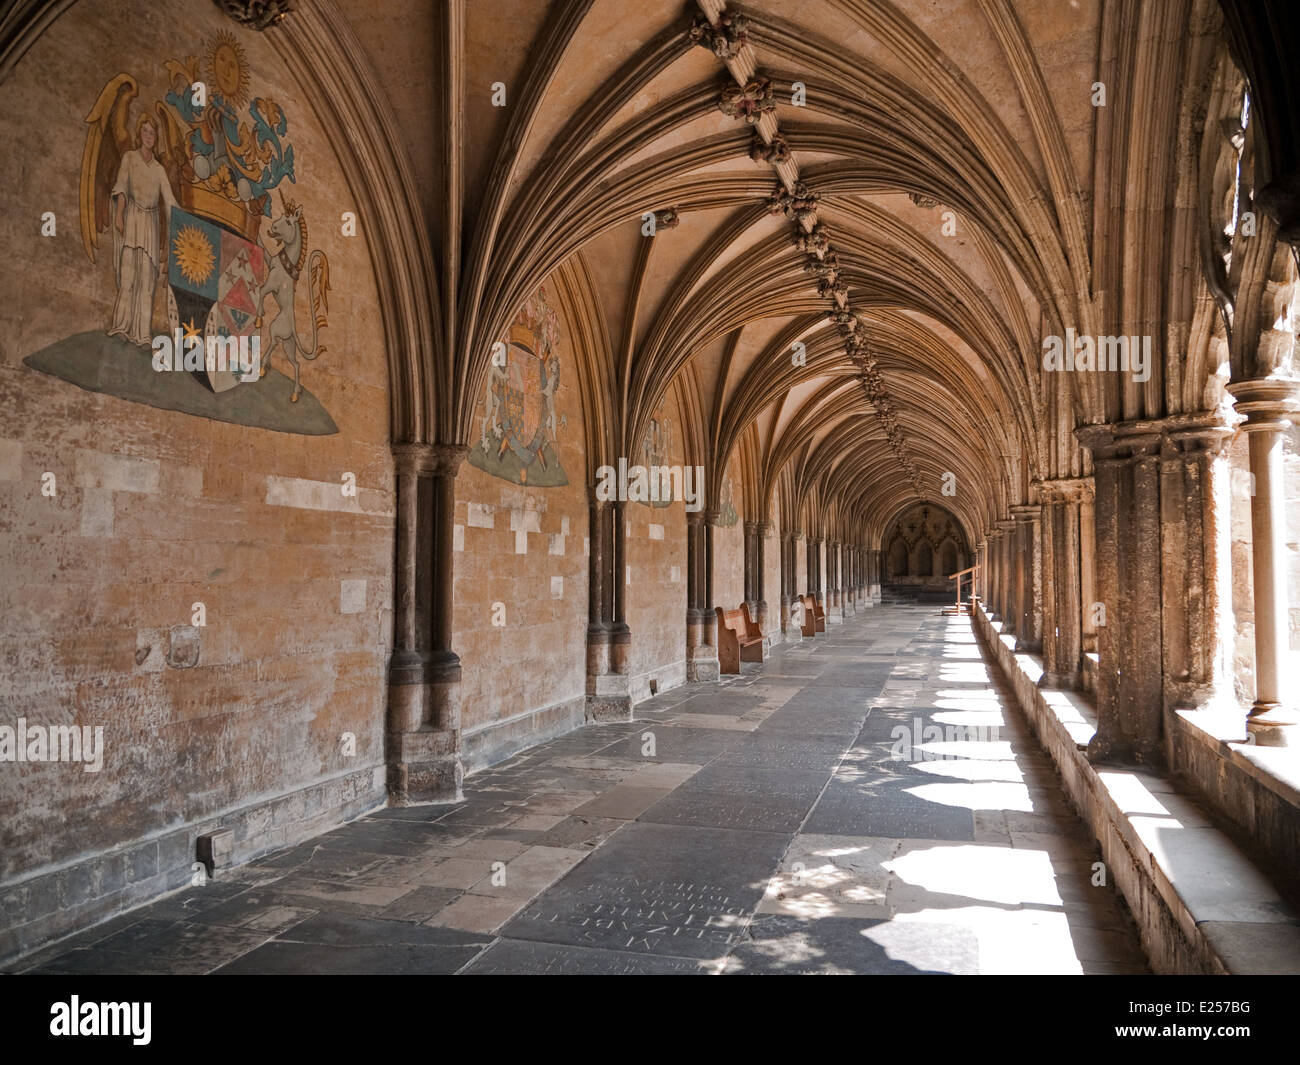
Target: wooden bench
739 639
814 618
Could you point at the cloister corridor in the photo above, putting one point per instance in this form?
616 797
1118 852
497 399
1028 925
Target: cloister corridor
794 819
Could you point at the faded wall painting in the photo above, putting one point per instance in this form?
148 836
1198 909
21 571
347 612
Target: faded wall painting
727 516
657 450
183 205
519 428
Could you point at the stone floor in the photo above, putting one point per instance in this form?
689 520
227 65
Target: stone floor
865 802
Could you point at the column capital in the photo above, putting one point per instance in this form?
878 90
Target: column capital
1005 525
695 517
1145 437
1027 511
1267 402
429 458
1066 489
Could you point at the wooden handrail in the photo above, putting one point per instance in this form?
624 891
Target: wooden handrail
972 570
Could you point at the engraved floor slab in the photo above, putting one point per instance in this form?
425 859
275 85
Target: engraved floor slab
657 889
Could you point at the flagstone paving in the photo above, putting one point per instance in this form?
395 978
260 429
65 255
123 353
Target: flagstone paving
868 801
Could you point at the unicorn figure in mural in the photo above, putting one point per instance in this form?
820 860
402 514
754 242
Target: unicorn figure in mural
290 229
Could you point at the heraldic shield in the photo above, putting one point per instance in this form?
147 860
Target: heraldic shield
517 433
213 276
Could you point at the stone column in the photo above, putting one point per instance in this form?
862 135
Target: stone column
1269 405
1029 610
701 623
752 535
423 726
762 530
1062 587
600 591
995 572
875 577
1088 568
1195 548
1129 638
1006 591
981 571
609 697
810 568
834 608
789 630
850 581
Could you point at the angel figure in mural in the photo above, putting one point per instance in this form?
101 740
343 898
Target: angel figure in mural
127 186
139 194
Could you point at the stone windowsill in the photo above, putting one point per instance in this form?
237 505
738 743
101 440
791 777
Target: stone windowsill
1230 914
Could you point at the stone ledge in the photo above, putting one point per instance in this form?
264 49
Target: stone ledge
1202 906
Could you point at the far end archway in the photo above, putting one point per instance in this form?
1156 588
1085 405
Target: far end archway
923 546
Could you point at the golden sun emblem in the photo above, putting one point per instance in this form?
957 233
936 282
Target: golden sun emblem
193 254
228 68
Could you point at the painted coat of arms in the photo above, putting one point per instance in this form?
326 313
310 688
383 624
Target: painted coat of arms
188 195
517 432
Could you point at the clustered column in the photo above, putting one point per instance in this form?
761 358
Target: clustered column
789 586
701 622
1127 515
1062 580
423 726
608 636
1028 564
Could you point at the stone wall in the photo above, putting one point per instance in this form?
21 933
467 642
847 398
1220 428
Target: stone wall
208 592
520 558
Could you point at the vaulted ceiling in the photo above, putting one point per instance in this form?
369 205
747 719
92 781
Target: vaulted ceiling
866 217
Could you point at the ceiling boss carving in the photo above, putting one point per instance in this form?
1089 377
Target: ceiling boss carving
256 14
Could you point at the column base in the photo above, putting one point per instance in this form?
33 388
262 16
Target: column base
424 767
608 699
703 669
1273 725
1065 681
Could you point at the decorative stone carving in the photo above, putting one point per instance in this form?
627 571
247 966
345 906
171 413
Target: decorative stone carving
256 14
801 204
817 243
750 102
726 39
922 201
668 218
778 151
